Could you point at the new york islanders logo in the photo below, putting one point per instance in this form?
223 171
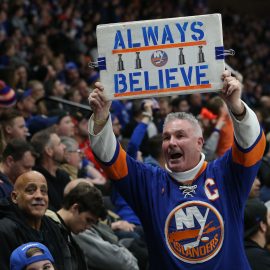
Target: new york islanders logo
194 231
159 58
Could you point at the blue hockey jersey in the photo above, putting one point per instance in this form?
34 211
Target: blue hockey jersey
198 230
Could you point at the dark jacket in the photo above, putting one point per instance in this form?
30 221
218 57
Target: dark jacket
77 255
259 258
56 185
14 231
5 186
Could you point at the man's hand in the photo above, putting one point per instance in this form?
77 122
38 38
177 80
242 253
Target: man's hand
231 94
123 225
100 106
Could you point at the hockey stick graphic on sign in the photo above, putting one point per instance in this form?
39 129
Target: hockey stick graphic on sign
196 243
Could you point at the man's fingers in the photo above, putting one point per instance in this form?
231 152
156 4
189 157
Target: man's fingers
225 74
99 86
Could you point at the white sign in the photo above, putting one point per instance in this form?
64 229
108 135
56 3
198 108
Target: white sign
161 57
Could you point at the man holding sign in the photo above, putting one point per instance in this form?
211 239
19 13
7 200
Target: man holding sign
161 57
192 212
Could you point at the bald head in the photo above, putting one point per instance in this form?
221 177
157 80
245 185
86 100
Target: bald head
72 184
83 193
27 177
30 194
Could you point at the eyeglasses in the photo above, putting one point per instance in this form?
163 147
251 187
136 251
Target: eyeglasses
76 151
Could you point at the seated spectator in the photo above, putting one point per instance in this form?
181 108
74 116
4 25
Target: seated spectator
180 104
54 88
256 231
155 157
81 136
64 125
23 220
72 157
76 165
18 157
74 97
51 155
82 207
38 93
31 256
12 127
7 96
84 90
255 189
101 246
26 103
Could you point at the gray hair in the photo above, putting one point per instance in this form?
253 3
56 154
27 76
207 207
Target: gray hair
70 143
184 116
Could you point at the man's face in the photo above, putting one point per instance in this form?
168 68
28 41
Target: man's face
82 128
66 127
164 108
59 89
74 157
29 105
182 145
267 235
81 221
31 195
58 149
83 89
18 129
255 189
21 166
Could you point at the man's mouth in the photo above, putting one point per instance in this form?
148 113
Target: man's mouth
38 204
175 155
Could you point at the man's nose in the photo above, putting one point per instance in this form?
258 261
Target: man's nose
38 193
172 140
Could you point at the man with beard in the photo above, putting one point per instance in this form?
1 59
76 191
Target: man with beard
257 234
22 220
51 155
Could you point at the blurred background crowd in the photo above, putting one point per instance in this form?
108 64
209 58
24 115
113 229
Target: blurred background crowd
45 81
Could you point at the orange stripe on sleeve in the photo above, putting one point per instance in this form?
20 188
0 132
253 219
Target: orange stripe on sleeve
119 168
252 157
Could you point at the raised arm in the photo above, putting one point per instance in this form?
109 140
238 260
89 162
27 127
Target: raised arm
246 126
100 106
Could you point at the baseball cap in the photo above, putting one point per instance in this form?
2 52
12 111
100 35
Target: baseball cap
39 122
19 260
70 66
21 95
7 95
255 212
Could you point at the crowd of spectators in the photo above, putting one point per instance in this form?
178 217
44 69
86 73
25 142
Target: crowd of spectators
45 50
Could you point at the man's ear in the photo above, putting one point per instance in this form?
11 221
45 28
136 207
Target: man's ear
74 208
14 196
9 161
200 143
8 129
48 150
263 226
